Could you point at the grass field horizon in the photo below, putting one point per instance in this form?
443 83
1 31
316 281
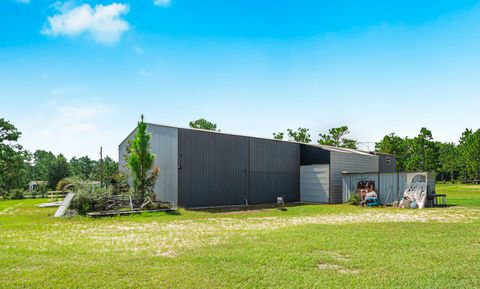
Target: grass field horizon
307 246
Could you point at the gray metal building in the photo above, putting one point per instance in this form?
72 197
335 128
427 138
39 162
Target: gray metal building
204 168
321 179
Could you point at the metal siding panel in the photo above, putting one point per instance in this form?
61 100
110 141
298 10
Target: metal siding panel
310 155
314 183
122 151
274 171
353 163
164 145
346 191
388 188
402 181
212 169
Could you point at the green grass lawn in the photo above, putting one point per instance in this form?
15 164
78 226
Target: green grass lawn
308 246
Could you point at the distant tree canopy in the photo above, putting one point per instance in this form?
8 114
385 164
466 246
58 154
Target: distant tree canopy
42 164
419 153
59 170
203 124
278 135
83 167
300 135
14 160
336 137
110 167
468 150
448 160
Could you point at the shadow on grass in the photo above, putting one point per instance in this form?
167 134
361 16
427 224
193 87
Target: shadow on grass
173 213
243 208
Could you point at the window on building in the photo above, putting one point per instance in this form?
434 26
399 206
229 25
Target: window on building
388 161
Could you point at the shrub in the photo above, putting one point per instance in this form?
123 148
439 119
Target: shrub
354 199
88 197
62 183
42 190
16 194
89 200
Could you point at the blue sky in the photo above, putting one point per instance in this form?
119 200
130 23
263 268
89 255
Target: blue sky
75 75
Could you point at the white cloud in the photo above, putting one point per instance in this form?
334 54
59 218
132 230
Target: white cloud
102 23
162 3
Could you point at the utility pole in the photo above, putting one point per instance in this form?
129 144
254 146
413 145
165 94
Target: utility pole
101 167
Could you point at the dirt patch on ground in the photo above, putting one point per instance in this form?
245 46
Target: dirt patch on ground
169 239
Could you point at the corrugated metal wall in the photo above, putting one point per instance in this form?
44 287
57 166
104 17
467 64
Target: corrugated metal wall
164 145
274 171
213 169
122 150
351 162
220 169
315 183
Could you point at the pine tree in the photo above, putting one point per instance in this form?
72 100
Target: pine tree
140 161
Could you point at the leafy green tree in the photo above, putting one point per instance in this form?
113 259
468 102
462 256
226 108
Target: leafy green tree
336 137
14 160
423 152
449 160
60 169
469 153
8 132
110 167
42 164
14 169
420 153
140 161
300 135
278 135
203 124
83 168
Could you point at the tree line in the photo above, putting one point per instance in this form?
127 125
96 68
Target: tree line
451 161
18 166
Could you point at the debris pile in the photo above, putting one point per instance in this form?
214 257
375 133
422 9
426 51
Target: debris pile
415 196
